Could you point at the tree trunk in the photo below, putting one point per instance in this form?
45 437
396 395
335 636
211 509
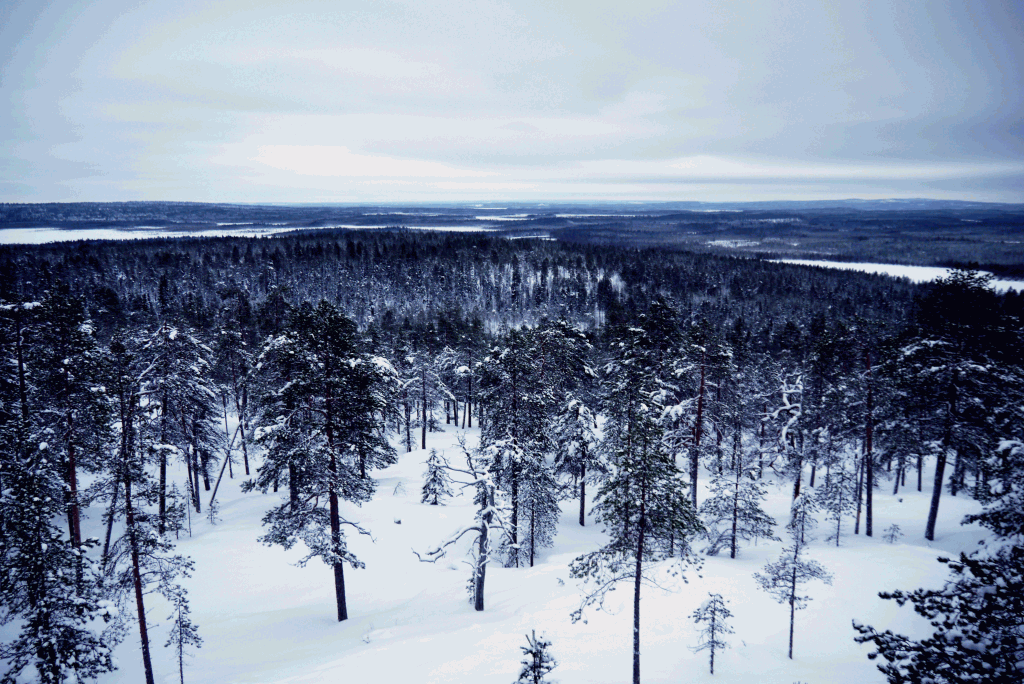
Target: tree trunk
162 522
204 466
423 428
860 482
195 472
483 548
74 520
515 517
583 491
408 426
940 464
869 459
137 579
240 405
533 533
227 439
735 515
792 609
713 638
698 429
638 574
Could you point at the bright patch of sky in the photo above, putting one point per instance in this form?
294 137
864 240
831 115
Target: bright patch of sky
312 100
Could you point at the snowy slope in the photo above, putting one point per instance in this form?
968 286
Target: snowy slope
264 620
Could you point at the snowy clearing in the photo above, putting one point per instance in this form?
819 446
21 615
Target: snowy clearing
264 620
916 274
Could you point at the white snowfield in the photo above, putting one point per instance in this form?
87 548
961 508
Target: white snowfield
265 621
915 274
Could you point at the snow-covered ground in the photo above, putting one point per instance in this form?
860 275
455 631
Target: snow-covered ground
40 236
263 620
916 274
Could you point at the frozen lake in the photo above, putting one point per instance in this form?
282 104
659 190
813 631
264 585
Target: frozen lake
916 274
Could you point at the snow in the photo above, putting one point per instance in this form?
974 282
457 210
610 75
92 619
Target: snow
40 236
264 620
916 274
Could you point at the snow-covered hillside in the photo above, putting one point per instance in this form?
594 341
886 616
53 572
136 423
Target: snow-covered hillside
264 620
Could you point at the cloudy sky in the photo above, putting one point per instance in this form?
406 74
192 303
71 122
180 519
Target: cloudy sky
352 101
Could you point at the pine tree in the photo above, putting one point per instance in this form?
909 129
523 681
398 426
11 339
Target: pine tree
325 428
539 505
978 615
50 584
436 483
179 398
183 632
782 578
837 497
575 436
71 402
713 614
958 369
978 619
733 512
490 517
644 504
537 660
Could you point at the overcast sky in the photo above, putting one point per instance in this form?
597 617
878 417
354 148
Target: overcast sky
351 101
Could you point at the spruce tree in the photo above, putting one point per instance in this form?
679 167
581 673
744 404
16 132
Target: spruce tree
713 614
436 483
537 660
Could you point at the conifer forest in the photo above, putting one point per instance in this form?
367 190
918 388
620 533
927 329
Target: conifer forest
343 454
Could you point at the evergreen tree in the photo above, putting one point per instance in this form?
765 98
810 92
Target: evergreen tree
183 632
179 399
978 618
71 402
326 428
232 370
837 497
575 436
436 483
490 517
957 366
978 615
537 661
733 512
713 614
539 505
50 584
643 505
142 560
783 578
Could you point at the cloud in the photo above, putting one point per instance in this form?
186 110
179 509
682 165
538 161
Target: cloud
337 161
196 98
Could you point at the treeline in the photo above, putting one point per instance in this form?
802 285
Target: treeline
309 352
390 279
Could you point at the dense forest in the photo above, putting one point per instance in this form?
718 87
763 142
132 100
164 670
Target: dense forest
618 377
